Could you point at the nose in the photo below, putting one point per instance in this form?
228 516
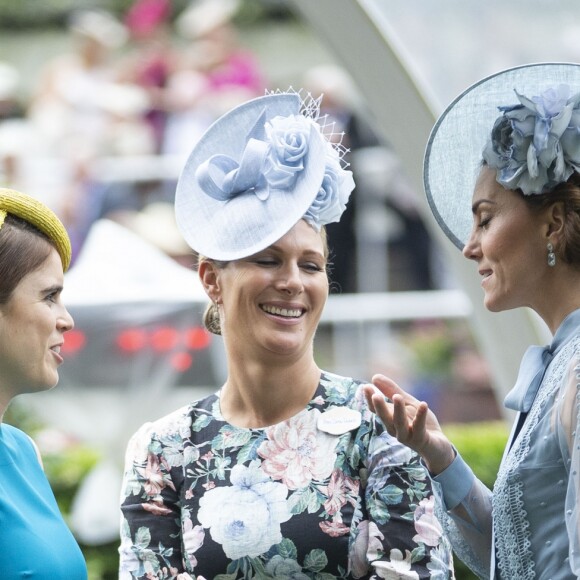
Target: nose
65 321
290 279
471 250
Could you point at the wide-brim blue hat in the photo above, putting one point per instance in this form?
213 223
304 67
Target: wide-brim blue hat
254 174
454 151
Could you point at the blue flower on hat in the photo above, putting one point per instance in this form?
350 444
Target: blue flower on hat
272 159
535 145
288 138
333 194
257 171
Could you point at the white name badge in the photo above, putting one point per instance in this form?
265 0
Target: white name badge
339 420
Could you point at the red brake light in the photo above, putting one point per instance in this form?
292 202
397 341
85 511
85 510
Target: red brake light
181 361
132 339
197 338
164 338
74 340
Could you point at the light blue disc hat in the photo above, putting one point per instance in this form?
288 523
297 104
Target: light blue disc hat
524 121
256 172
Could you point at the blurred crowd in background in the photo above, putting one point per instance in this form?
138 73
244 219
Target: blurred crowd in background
106 128
103 130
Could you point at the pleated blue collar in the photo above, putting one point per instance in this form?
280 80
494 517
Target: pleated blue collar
535 362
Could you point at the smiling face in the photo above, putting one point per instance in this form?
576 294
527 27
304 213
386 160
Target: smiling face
271 302
508 242
32 324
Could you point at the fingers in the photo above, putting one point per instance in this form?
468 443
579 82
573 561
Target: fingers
387 386
420 422
405 418
379 406
400 418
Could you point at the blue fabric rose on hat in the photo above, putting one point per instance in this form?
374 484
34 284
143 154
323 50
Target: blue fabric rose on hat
257 171
535 145
332 197
288 138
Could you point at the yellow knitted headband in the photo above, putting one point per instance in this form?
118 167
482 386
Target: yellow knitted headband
36 213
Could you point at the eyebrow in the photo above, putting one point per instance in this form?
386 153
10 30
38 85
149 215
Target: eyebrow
55 288
476 205
277 248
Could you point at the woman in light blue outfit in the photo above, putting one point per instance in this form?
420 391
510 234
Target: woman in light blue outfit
501 174
34 253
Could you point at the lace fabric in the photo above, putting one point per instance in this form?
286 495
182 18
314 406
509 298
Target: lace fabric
515 558
537 487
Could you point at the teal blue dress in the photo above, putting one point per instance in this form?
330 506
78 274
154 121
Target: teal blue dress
35 542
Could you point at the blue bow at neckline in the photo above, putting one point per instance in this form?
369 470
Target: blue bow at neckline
534 364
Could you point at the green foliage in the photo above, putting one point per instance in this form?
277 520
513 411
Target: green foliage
432 344
481 445
102 561
65 470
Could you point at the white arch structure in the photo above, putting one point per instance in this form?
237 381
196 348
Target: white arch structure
361 39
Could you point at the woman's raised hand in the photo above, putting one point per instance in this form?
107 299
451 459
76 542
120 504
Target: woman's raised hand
411 422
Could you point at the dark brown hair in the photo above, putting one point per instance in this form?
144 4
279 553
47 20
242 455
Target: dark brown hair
568 193
23 249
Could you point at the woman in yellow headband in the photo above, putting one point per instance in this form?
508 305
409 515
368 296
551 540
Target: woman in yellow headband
35 252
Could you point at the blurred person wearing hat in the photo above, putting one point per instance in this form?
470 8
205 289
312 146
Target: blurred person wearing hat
283 472
66 107
35 250
150 59
502 178
213 73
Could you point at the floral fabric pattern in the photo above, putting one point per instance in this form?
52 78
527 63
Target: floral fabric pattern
204 499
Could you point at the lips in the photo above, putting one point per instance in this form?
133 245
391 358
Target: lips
284 312
56 350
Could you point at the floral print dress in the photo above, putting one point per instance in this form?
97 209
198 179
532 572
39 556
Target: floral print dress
325 494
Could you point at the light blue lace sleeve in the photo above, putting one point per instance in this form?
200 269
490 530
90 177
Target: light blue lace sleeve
569 437
464 506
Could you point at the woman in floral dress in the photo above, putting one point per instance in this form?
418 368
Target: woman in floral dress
284 472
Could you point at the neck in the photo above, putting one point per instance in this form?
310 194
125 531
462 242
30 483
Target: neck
256 395
560 299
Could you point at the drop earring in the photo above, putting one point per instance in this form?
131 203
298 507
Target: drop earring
551 255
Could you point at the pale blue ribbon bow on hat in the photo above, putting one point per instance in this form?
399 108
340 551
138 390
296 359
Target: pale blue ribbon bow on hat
222 178
260 169
534 364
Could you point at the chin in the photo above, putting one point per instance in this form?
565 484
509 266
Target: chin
283 347
50 383
497 305
492 307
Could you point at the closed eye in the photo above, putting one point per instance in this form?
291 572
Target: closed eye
484 222
312 267
266 262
